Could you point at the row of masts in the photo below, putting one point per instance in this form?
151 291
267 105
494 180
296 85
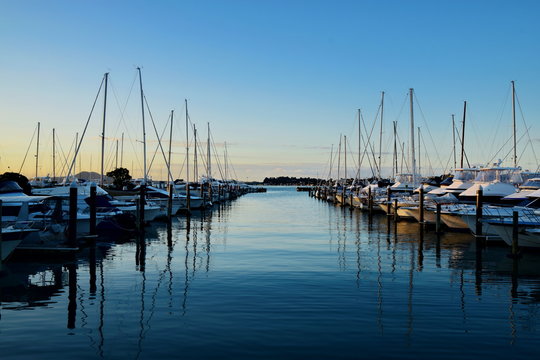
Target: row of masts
414 161
145 170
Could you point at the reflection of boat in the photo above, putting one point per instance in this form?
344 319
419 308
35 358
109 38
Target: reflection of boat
29 284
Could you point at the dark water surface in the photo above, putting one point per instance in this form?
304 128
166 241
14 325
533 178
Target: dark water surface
277 275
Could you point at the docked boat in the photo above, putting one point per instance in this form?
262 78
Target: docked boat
11 238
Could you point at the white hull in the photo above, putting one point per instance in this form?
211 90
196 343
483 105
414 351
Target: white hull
526 238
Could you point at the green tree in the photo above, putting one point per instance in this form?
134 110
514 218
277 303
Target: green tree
120 177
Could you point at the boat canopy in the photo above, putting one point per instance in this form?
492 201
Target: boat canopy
499 174
465 174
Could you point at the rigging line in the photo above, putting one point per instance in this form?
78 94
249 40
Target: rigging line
65 162
202 156
353 159
326 164
123 119
85 128
427 154
213 146
27 150
501 114
402 106
216 157
157 146
367 143
512 149
460 138
330 163
217 160
403 157
427 127
502 147
527 129
159 139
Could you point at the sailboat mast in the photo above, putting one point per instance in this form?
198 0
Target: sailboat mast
143 127
359 143
53 154
187 145
225 159
195 165
454 141
76 154
463 134
208 154
380 133
413 159
103 130
122 152
37 148
514 120
339 160
395 165
419 152
345 152
170 146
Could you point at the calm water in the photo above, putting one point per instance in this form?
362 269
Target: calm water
276 275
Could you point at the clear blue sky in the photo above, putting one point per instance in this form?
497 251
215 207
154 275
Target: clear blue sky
279 81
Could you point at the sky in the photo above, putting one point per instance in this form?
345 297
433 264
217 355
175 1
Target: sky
280 82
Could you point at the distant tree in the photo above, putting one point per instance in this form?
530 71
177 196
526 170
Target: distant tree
19 179
120 177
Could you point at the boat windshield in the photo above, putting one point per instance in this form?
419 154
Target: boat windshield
464 175
505 175
404 178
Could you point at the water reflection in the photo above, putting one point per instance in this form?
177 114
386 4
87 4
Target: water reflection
210 278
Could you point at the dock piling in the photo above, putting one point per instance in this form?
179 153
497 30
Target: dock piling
72 224
479 206
141 206
438 220
370 202
169 203
388 201
515 234
92 204
421 205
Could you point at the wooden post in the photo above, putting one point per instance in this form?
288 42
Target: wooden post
137 213
421 205
396 216
92 209
72 225
370 201
515 244
438 220
141 206
388 201
188 197
479 205
169 203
